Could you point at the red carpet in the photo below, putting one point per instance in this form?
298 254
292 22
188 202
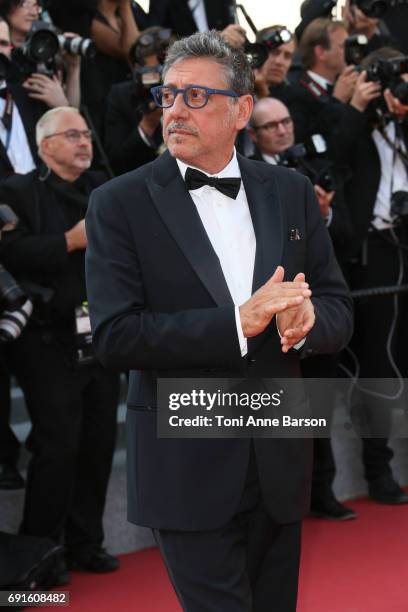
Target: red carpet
355 566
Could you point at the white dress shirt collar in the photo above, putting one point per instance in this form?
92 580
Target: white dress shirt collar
230 170
319 79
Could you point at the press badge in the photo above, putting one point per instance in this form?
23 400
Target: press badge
84 352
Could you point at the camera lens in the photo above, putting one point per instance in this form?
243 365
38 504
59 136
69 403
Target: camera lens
11 296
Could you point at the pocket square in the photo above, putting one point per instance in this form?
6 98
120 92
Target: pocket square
294 234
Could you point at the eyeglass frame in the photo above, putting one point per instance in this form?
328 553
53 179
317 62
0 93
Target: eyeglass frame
75 139
273 125
208 90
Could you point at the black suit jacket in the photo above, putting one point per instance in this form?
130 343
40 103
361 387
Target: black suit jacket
124 146
176 14
160 304
30 112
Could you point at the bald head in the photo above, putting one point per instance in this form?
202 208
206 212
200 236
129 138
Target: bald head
271 126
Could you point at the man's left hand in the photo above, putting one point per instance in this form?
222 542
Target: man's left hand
295 323
394 105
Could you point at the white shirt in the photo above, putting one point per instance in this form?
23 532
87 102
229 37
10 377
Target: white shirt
197 9
270 159
18 151
229 227
319 79
393 177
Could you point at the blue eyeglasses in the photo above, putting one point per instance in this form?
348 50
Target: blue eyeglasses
194 96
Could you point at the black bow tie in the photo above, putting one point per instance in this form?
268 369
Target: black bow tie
228 186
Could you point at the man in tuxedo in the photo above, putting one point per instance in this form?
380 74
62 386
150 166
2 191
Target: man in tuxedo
186 262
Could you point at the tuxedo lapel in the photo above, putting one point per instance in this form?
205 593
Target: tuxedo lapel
180 215
265 208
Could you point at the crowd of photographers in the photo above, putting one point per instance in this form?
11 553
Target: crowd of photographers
76 108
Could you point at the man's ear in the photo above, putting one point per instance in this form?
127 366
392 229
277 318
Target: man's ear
246 104
319 53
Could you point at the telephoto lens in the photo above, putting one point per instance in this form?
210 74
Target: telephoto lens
11 295
12 322
77 45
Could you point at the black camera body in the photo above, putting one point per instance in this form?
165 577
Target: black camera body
399 205
257 53
321 173
388 73
355 49
143 80
372 8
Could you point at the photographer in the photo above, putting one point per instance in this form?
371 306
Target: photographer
49 89
71 399
377 198
359 22
133 131
272 75
26 562
272 130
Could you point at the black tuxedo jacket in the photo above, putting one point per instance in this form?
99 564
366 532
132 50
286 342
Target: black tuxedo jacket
30 112
124 146
176 14
160 304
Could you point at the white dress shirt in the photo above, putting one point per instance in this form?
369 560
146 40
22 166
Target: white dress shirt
18 149
197 9
229 227
393 177
319 79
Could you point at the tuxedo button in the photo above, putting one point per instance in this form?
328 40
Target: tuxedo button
251 361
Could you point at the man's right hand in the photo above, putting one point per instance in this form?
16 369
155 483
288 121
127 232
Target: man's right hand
273 297
364 92
76 237
345 84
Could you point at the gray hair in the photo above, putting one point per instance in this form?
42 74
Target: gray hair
211 45
46 125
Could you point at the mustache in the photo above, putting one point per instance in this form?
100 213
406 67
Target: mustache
179 125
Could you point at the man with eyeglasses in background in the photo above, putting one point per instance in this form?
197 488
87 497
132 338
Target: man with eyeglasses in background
186 261
70 398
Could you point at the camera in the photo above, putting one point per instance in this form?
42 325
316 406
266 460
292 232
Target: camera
153 41
257 53
15 307
355 49
144 79
39 52
388 73
372 8
399 205
321 173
